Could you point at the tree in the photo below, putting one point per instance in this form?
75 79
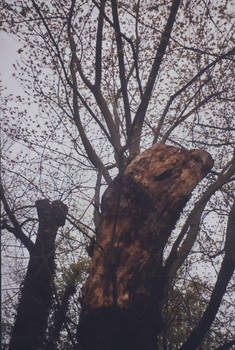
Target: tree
181 314
112 80
36 295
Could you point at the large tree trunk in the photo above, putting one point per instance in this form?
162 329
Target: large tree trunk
36 293
122 296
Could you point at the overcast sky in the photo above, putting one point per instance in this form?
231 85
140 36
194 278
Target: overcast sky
8 56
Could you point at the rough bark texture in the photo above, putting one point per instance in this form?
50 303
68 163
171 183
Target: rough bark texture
121 304
36 293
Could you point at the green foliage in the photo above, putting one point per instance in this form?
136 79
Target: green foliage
181 313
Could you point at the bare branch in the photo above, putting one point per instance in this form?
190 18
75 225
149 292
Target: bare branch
140 114
16 229
75 64
114 139
99 41
97 200
185 87
93 157
136 52
224 276
182 117
130 42
178 255
122 69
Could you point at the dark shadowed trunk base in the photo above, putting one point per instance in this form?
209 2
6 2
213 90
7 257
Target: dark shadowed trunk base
117 330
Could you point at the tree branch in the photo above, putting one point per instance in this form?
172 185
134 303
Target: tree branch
99 41
185 87
16 229
140 114
182 117
136 52
130 42
177 257
226 272
108 117
97 200
122 73
93 157
75 65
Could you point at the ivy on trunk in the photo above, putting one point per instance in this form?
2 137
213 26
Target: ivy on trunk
37 289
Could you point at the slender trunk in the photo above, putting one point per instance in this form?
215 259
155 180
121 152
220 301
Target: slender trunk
36 292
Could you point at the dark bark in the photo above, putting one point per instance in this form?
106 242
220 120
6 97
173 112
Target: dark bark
122 296
60 317
99 42
36 291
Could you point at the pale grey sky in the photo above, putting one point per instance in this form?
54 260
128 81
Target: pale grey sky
8 48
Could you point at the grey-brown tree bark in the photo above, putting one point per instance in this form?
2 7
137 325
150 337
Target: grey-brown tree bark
37 289
124 291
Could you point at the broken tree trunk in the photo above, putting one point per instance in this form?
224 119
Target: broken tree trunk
122 296
36 291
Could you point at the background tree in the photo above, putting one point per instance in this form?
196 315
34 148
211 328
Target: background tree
110 79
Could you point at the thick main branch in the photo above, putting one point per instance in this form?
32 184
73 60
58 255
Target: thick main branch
140 114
